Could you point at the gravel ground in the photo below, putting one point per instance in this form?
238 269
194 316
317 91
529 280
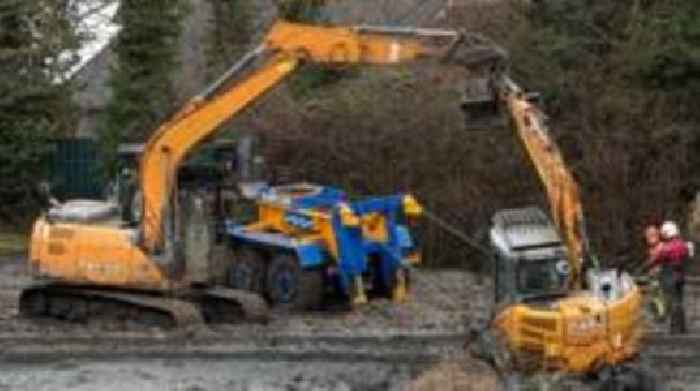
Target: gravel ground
204 375
201 375
443 302
198 375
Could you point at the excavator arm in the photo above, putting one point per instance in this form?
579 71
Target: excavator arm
284 47
560 186
500 92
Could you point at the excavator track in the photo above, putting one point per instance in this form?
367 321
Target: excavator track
126 310
223 305
111 309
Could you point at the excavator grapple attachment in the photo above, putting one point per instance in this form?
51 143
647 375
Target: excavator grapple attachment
482 113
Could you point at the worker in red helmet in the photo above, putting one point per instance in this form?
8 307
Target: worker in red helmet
672 257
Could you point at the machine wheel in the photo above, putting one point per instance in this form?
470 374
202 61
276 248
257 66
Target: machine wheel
290 288
247 272
33 304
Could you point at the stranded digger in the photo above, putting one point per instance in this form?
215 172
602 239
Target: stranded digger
92 265
543 318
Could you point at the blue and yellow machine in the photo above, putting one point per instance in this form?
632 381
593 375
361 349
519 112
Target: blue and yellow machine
307 238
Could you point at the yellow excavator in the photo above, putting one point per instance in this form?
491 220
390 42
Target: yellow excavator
95 266
555 310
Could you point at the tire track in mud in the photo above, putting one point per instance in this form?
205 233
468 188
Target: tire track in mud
400 349
677 351
257 344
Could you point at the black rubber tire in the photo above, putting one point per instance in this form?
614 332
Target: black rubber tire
33 304
247 271
290 288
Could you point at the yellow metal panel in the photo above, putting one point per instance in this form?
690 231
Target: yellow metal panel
271 216
374 227
414 258
92 255
411 206
543 331
625 330
341 45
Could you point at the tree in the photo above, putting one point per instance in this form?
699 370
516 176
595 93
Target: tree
619 81
619 106
34 104
300 10
141 81
230 33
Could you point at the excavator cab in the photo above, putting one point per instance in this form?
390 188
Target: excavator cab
539 317
530 263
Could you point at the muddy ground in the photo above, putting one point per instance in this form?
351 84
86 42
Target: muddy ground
444 302
204 375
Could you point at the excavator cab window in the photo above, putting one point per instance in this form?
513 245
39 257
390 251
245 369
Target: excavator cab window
541 278
504 277
519 280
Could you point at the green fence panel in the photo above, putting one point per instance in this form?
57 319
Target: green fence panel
75 170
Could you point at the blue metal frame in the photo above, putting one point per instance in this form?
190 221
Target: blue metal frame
310 255
354 250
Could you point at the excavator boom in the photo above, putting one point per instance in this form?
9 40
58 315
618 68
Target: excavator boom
285 46
560 186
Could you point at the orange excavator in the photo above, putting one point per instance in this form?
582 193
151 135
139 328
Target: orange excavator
95 266
555 309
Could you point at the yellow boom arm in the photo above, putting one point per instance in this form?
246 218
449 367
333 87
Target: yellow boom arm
560 186
283 48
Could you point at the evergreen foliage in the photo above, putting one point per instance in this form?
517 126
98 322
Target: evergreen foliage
147 50
617 80
230 34
303 11
620 81
34 104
